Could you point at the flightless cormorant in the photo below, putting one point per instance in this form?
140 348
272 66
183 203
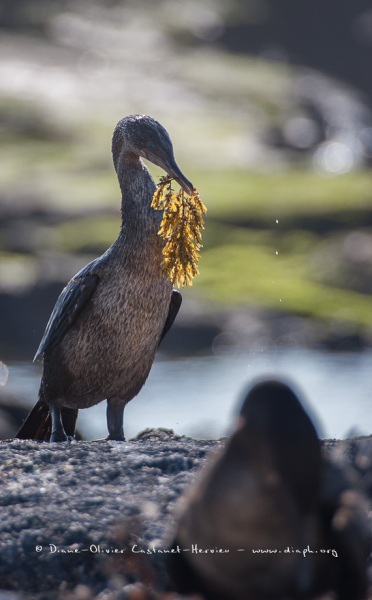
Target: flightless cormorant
102 336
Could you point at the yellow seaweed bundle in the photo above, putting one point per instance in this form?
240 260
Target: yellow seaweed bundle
181 230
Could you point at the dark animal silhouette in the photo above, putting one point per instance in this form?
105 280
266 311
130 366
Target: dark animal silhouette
269 518
107 324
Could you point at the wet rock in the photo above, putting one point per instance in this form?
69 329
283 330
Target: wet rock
70 512
85 515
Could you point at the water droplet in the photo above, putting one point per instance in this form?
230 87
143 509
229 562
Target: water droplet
276 252
4 373
276 220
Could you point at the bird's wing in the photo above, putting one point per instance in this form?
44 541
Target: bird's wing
69 305
174 307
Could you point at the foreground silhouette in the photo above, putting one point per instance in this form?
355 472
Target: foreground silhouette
269 517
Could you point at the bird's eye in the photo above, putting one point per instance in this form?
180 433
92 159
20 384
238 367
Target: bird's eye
151 146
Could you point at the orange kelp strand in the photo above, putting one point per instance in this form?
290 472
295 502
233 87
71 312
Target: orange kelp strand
181 230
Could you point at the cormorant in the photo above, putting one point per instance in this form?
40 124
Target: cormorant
269 517
107 324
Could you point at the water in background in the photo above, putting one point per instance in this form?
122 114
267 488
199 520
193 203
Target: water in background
199 396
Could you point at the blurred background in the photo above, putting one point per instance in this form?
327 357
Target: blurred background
269 108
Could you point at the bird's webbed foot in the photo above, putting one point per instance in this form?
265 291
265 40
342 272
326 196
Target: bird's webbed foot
117 438
58 437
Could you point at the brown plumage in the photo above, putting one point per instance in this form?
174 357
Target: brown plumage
107 324
270 489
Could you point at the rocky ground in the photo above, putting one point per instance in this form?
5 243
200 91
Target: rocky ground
92 519
87 513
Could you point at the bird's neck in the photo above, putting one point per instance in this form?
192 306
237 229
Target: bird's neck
139 221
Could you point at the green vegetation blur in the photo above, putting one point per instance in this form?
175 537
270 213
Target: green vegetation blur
284 174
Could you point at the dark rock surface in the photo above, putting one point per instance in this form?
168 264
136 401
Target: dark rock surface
74 515
64 505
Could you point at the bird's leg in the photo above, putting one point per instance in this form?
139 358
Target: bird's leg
58 432
115 415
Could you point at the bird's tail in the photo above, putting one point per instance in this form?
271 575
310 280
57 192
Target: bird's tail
38 423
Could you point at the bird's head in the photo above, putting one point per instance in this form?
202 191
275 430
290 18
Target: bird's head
273 417
141 135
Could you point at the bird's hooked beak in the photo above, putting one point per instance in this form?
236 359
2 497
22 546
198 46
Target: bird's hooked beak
170 166
174 171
